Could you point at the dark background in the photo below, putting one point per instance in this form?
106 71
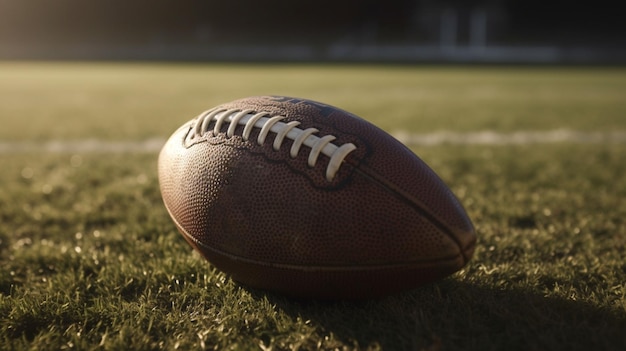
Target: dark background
287 30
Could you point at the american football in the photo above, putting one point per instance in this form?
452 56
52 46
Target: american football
304 199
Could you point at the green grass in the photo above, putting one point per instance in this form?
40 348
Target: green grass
89 258
133 101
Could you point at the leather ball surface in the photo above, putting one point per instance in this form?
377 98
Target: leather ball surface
304 199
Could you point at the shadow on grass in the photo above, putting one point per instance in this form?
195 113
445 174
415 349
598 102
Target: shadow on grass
455 315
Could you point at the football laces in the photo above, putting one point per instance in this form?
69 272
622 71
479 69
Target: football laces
212 121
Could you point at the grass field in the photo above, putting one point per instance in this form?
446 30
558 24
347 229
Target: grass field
89 258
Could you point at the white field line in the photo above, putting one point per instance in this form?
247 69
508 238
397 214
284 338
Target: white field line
427 139
83 146
521 137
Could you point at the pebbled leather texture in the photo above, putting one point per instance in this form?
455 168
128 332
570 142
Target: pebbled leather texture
273 222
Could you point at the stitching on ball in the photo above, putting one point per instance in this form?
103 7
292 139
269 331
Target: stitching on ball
213 120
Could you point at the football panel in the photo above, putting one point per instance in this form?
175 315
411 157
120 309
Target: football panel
386 157
349 283
330 283
263 210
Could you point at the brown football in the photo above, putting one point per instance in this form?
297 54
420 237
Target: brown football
301 198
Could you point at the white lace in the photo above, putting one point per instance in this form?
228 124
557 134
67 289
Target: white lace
267 123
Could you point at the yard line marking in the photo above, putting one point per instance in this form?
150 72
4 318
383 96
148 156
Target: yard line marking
519 138
154 145
83 146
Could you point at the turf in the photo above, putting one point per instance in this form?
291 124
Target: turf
135 101
90 260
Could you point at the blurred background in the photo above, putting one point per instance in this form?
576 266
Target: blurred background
505 31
